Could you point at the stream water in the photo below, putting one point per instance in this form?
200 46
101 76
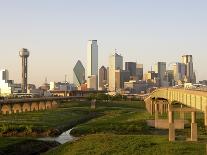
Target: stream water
63 138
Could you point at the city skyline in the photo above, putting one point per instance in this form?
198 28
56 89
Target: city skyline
155 35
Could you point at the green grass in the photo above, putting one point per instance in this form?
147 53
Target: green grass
127 144
120 118
115 128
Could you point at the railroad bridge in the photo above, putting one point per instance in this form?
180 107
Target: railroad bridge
9 106
162 101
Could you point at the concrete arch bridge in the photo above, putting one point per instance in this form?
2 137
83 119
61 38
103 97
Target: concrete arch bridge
161 101
10 106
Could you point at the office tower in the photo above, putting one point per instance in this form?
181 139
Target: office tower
170 77
160 69
107 75
121 76
115 63
92 58
139 72
179 71
24 54
188 61
78 74
131 67
92 82
102 77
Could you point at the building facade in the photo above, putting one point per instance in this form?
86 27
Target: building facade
78 74
139 72
189 72
131 67
92 82
102 77
92 58
160 69
115 63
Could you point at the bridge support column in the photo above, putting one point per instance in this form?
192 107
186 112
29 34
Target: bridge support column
152 107
194 132
171 125
93 104
205 117
156 114
161 108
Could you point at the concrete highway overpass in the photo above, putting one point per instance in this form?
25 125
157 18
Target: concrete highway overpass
162 101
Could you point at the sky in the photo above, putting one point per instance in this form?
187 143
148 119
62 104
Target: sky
56 34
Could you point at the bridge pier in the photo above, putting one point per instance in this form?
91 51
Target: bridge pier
194 134
171 125
156 113
93 104
205 116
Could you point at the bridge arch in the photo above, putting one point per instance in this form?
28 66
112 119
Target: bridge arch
26 107
54 104
42 106
48 105
17 108
34 106
6 109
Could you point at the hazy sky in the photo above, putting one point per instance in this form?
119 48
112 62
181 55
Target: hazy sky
56 33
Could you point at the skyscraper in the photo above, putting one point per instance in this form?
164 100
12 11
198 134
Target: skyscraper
160 69
188 61
121 76
24 54
92 61
78 74
115 63
139 71
131 67
102 77
92 58
179 71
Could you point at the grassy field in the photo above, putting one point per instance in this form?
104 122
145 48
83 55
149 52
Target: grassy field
127 145
119 118
122 129
118 127
45 122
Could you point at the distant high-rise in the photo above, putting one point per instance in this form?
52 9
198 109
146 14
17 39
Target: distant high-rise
139 71
121 76
115 63
102 77
131 67
78 74
92 82
160 69
179 70
92 58
188 61
24 54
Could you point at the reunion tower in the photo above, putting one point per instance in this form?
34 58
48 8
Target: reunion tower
24 54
